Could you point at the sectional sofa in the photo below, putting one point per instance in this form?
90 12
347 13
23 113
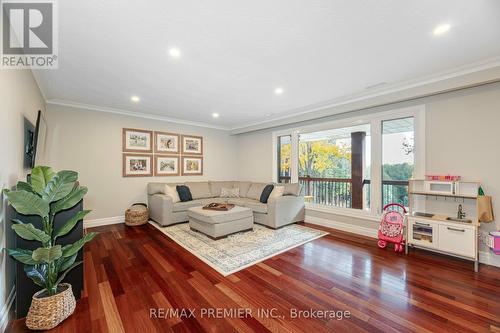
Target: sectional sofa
277 212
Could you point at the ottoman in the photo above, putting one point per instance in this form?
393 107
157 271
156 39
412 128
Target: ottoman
219 224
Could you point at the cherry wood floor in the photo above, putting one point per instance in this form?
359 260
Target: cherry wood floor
129 271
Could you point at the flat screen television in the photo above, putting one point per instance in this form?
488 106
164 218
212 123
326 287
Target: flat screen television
34 139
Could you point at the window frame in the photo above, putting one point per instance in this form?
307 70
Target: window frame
375 120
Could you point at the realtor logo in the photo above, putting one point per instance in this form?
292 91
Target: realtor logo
29 34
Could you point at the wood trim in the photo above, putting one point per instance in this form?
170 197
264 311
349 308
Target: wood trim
159 174
192 174
124 158
194 137
124 145
156 133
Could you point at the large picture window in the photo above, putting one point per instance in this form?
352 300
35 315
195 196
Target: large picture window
326 165
398 159
284 158
359 164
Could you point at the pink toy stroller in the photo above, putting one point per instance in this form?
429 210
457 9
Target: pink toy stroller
391 228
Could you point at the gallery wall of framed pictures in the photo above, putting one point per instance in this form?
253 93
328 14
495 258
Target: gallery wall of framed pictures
154 153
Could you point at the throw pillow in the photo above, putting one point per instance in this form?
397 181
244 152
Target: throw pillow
184 193
266 193
277 192
172 192
229 192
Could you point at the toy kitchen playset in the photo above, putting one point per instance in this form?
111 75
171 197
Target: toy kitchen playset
444 216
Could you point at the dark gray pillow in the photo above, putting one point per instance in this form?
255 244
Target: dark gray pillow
266 192
184 193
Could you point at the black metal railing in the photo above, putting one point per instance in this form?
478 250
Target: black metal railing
337 192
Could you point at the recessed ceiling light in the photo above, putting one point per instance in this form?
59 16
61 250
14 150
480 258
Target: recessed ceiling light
135 99
441 29
278 91
215 115
174 52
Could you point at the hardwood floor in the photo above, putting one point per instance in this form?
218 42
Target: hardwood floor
129 271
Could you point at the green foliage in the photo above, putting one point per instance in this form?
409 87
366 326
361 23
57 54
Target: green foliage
324 159
47 194
29 232
403 171
27 203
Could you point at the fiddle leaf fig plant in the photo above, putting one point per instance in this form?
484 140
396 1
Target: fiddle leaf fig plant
46 194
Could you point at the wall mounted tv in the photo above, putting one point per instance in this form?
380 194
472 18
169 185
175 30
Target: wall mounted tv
34 140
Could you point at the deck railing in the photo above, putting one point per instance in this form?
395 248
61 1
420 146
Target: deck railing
337 192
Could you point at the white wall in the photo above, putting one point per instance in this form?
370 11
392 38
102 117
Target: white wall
19 98
462 137
255 153
90 142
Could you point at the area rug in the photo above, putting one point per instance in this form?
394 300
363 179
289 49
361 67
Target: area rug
241 250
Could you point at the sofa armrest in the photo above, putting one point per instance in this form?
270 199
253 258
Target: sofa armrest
160 208
285 210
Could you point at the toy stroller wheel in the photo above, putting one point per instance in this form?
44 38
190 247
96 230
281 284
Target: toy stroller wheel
382 244
401 248
396 248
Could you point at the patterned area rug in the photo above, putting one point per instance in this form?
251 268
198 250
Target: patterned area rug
241 250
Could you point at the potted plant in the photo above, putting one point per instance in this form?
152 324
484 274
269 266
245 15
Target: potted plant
46 194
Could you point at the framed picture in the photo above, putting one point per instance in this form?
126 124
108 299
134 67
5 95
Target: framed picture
137 165
166 165
166 143
137 141
192 166
192 145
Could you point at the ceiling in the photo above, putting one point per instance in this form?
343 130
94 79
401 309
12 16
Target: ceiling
234 54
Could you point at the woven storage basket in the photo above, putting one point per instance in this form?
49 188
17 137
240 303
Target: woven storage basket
136 215
46 313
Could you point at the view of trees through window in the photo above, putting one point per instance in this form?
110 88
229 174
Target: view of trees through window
284 158
397 159
325 165
334 166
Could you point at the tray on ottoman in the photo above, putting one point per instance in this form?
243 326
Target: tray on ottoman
218 224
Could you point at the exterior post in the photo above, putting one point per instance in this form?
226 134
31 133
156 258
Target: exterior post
357 168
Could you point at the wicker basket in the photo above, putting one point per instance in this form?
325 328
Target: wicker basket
46 313
136 215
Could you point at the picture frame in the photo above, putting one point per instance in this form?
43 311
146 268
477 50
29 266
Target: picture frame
167 165
137 141
166 143
192 145
137 165
192 166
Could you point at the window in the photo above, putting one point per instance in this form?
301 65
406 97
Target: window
284 158
327 161
354 165
398 159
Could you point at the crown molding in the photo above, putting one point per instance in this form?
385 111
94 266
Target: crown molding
446 79
90 107
471 75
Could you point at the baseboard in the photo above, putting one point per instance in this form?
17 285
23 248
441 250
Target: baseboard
103 221
5 311
347 227
487 258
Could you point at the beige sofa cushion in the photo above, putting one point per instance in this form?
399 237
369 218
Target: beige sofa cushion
291 189
183 206
199 190
172 192
215 187
255 191
243 186
159 188
254 205
257 207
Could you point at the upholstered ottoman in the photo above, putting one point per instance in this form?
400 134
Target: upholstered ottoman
219 224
